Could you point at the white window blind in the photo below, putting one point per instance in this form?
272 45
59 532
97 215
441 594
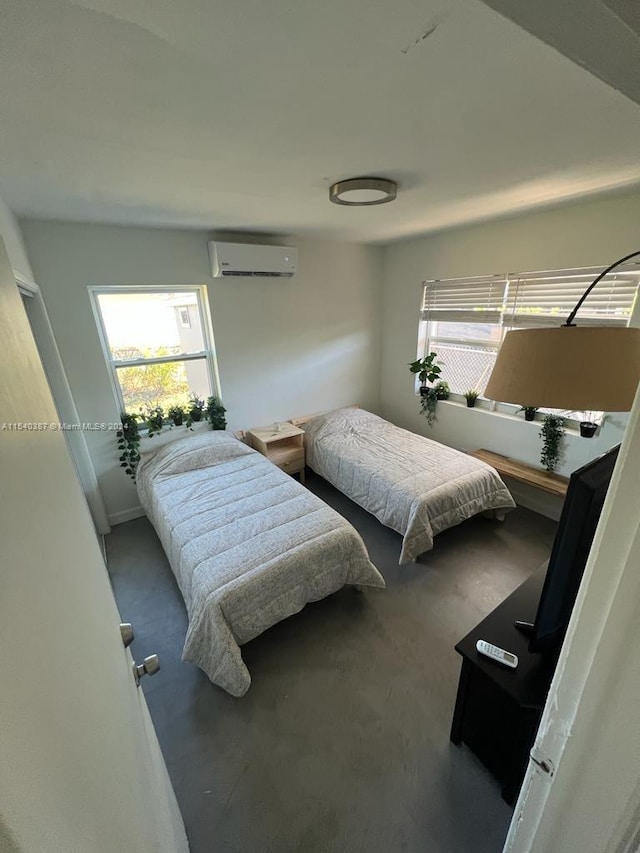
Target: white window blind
533 299
547 298
469 300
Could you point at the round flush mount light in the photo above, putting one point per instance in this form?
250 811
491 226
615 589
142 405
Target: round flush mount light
359 192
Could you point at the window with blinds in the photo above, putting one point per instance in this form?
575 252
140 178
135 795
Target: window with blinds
464 320
547 298
471 300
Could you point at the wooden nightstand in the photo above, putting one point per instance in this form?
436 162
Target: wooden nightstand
284 447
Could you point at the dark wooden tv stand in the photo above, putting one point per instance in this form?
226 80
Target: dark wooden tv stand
498 709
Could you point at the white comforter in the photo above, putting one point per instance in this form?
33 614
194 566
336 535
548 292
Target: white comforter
248 545
416 486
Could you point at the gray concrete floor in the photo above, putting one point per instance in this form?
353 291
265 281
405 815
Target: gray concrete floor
341 744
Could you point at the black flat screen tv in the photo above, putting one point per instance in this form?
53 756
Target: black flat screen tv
578 521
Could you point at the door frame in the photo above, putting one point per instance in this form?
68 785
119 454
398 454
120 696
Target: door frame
47 347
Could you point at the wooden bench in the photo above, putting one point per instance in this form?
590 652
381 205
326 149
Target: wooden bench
545 480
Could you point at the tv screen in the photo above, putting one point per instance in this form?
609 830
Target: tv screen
578 521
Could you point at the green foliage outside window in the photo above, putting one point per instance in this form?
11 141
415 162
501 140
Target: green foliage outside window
148 386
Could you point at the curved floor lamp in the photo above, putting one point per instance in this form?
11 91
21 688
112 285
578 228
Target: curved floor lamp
594 368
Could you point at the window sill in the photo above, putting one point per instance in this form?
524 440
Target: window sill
484 406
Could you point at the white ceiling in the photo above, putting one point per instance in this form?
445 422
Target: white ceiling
239 114
601 35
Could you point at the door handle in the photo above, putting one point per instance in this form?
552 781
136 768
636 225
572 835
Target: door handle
126 632
149 666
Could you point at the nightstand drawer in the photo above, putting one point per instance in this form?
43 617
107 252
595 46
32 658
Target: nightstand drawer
292 465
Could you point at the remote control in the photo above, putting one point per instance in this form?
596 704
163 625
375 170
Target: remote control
497 654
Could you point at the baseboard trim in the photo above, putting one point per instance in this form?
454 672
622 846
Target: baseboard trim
126 515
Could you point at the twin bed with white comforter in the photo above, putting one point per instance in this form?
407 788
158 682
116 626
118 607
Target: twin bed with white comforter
249 546
411 484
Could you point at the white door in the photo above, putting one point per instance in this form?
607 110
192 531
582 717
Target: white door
80 766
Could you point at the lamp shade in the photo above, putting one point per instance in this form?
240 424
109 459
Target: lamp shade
593 368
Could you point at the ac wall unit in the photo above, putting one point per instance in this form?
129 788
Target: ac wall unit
243 259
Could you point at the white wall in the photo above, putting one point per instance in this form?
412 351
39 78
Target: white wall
12 237
285 346
587 234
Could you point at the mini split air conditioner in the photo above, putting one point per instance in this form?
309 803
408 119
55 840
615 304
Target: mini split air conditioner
243 259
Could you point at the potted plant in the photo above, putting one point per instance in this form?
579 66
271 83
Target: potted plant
428 370
442 390
552 432
471 396
128 444
215 413
588 426
176 415
529 412
155 420
428 403
195 408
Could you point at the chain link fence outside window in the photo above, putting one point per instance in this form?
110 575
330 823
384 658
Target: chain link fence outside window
465 366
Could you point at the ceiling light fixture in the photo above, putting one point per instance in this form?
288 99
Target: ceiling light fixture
360 192
593 368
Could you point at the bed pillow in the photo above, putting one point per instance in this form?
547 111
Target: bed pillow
170 435
341 421
194 452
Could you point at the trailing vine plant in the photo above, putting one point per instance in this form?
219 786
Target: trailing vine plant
429 370
129 444
552 432
428 403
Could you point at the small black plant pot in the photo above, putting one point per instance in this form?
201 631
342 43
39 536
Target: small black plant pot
588 429
471 404
196 415
177 420
529 416
424 391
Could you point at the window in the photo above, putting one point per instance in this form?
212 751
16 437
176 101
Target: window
157 344
464 320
